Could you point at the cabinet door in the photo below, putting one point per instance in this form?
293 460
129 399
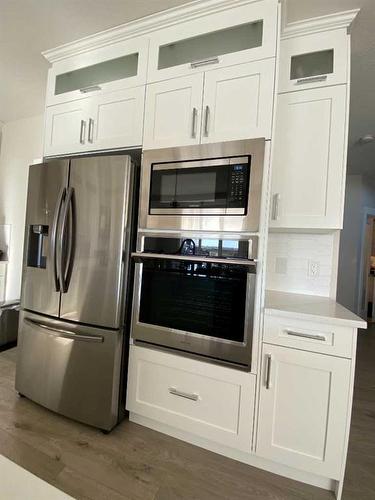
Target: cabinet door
66 128
303 411
238 102
173 112
116 119
309 159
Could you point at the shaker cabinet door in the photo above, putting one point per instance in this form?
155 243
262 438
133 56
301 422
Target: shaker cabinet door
173 112
310 140
116 119
238 102
66 128
303 411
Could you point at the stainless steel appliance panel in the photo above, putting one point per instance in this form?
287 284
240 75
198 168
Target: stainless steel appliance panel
71 369
204 219
47 187
98 220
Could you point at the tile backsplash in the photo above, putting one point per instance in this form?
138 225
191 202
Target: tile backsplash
300 263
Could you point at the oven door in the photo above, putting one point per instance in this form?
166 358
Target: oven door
200 306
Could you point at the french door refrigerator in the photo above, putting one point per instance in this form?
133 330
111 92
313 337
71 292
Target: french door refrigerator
76 287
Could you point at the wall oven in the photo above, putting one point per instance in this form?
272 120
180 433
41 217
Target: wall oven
196 295
207 187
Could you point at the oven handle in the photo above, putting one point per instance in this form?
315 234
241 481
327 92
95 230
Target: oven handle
139 256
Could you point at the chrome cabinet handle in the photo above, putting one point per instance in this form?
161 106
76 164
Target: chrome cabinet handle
90 88
55 222
82 132
206 121
194 123
306 335
204 62
139 256
91 131
175 392
275 206
268 371
311 79
60 332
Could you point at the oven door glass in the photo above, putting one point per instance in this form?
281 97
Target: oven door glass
200 298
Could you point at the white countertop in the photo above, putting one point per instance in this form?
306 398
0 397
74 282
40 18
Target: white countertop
310 307
19 484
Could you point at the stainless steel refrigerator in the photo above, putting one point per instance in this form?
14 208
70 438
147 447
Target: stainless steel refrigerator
76 287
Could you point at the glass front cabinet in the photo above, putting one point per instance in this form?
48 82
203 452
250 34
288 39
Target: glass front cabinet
114 67
314 60
230 36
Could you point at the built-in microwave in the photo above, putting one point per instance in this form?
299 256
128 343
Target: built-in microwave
209 187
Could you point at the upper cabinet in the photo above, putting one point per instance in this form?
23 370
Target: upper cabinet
115 67
314 60
230 36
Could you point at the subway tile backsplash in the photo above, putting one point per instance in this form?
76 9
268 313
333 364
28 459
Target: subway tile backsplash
300 263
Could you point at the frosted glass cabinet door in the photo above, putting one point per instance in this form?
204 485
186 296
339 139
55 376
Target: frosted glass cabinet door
313 61
110 68
230 35
304 401
66 128
238 102
309 148
173 112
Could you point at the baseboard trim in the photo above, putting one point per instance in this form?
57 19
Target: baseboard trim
249 459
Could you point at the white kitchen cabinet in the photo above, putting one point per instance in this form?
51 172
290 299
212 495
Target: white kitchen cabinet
203 399
219 105
238 102
66 128
308 172
107 121
304 404
313 60
173 112
106 69
230 35
117 119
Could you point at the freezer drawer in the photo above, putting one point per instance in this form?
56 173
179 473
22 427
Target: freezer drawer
71 369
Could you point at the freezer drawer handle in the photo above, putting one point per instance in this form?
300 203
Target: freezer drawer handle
175 392
60 332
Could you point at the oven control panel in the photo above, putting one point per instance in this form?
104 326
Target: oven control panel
238 186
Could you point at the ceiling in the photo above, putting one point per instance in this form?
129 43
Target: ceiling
28 27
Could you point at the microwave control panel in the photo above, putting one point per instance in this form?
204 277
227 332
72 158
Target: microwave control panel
238 185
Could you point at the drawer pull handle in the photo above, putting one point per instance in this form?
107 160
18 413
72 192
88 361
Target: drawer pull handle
306 335
311 79
204 62
175 392
91 88
268 371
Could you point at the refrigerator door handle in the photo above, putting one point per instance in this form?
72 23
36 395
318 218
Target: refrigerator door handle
60 332
65 262
55 223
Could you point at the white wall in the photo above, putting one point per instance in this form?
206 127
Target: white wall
360 194
21 143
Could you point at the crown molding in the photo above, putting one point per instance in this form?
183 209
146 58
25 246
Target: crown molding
142 26
330 22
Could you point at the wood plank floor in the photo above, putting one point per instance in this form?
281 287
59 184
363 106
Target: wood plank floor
135 463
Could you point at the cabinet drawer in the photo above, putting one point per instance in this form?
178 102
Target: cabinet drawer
309 336
210 401
314 60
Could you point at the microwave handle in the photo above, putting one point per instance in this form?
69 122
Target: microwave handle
140 256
